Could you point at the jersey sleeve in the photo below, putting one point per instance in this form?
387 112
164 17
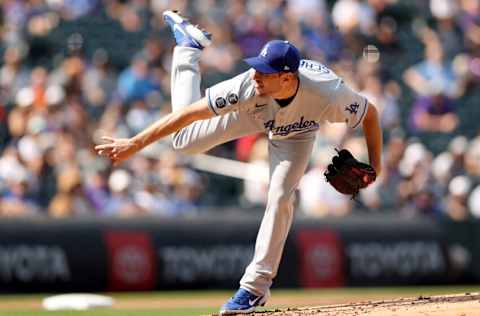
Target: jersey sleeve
346 106
231 95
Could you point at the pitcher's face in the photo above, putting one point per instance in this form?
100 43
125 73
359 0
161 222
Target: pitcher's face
268 84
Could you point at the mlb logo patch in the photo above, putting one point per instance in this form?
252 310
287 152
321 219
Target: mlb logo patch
220 102
232 98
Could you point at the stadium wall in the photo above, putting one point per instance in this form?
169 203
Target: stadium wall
41 255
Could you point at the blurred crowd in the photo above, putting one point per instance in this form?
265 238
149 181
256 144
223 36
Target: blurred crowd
73 71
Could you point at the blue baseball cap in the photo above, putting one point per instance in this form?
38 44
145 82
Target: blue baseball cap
276 56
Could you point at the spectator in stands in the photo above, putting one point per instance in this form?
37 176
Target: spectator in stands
469 21
136 82
221 59
356 21
72 10
244 146
330 135
13 74
99 83
449 33
415 169
442 166
16 201
435 84
148 190
458 147
323 41
249 31
183 185
385 192
16 198
139 115
50 102
434 75
386 38
17 123
473 202
37 87
120 202
435 113
472 159
96 190
317 197
186 192
423 203
386 99
456 202
71 199
70 75
32 153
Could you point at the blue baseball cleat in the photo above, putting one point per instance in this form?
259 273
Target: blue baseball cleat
243 302
186 34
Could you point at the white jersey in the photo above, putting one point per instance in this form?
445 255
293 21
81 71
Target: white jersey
322 96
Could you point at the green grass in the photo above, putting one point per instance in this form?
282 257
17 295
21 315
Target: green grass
99 312
173 299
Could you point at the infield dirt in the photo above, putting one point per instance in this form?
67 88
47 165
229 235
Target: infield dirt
467 304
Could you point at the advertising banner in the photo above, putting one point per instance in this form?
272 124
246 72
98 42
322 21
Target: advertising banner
321 258
388 251
51 257
212 253
131 261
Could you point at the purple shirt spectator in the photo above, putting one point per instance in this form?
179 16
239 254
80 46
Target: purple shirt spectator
433 114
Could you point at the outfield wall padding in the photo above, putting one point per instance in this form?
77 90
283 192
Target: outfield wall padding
212 251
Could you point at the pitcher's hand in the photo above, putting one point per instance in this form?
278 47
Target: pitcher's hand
117 149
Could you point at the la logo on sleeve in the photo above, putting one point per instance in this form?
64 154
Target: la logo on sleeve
352 108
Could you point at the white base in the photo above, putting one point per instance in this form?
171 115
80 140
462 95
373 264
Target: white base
78 301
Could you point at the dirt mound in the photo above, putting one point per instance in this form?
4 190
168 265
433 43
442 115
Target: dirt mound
467 304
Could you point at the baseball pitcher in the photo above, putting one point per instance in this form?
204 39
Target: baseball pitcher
281 95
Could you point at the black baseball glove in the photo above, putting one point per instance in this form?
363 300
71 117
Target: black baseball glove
348 175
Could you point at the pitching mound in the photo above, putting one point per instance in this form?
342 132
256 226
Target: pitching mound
452 305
